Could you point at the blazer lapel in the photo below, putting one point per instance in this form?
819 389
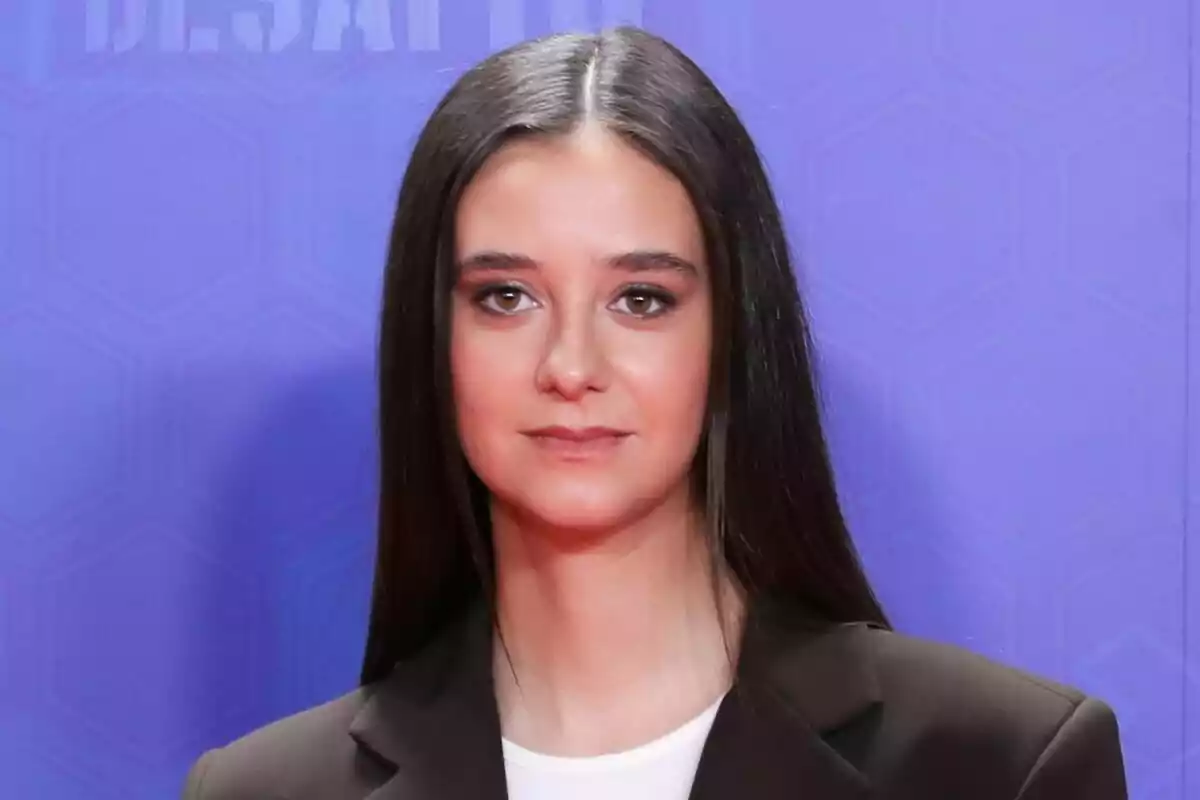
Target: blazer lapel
797 683
435 719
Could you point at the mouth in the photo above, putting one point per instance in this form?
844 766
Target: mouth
576 443
577 435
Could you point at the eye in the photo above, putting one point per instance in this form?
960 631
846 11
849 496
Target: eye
505 300
644 302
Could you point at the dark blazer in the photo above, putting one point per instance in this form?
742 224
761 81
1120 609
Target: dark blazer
817 712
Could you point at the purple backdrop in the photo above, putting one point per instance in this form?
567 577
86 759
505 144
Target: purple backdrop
992 202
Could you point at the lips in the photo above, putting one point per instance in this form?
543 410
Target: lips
577 444
577 435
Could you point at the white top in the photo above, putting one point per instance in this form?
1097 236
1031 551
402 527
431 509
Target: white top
662 769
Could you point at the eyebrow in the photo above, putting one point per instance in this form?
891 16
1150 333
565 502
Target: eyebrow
632 261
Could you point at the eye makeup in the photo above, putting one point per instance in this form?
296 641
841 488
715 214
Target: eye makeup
665 300
496 298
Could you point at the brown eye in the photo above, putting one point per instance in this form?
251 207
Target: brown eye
508 299
504 300
640 304
644 303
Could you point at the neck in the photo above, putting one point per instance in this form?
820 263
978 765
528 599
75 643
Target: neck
613 638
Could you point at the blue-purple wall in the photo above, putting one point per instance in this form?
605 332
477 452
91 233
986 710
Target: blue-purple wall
992 202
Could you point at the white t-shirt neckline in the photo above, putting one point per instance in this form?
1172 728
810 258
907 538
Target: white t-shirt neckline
688 732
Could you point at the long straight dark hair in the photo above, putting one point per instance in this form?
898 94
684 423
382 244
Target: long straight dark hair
762 469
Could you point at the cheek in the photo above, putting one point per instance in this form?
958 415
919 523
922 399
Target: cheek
668 380
490 380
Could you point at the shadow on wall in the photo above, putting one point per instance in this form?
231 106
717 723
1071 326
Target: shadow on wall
279 616
892 508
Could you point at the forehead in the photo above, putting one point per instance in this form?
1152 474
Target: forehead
586 193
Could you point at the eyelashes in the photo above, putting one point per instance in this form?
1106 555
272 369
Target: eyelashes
652 301
638 301
504 299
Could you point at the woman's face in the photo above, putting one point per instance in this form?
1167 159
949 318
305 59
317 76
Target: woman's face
581 331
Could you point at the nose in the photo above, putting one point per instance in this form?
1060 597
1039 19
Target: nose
573 364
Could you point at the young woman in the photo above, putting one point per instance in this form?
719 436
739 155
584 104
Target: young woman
611 562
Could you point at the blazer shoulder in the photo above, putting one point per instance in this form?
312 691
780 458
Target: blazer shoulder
937 669
1009 718
298 756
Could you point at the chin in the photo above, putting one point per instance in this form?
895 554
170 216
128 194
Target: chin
594 516
584 508
586 502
